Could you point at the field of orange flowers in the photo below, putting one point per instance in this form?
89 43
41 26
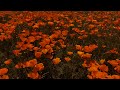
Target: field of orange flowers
59 45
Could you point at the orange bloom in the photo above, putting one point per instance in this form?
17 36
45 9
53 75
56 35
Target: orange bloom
16 52
56 61
86 56
33 75
35 48
47 41
3 71
117 68
50 23
39 66
31 63
34 33
69 53
67 59
103 68
115 76
31 39
80 53
89 76
38 54
7 62
92 69
102 61
65 32
113 62
78 47
44 51
4 77
42 44
48 47
19 65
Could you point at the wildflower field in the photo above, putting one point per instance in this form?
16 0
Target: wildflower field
59 45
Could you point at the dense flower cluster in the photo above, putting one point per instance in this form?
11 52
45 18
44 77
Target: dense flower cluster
32 43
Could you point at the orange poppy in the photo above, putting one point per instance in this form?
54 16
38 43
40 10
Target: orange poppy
86 56
89 77
69 53
34 33
31 39
19 65
103 68
78 47
115 76
117 68
67 59
80 53
33 75
42 44
8 61
35 48
44 51
31 63
3 71
102 61
4 77
48 47
16 52
38 54
65 32
92 69
50 23
113 62
100 74
56 61
37 37
39 66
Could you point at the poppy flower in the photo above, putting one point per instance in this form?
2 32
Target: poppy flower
19 65
69 53
38 54
3 71
80 53
4 77
44 51
16 52
103 68
50 23
31 63
31 39
67 59
65 32
42 44
117 68
86 56
92 69
33 75
102 61
56 61
35 48
89 77
78 47
8 61
113 62
39 66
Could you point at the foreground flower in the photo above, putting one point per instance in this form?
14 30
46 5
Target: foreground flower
3 71
56 61
7 62
67 59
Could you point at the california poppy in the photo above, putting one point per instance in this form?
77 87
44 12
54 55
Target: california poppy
38 54
67 59
39 66
33 75
103 68
3 71
69 53
8 61
31 63
56 60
